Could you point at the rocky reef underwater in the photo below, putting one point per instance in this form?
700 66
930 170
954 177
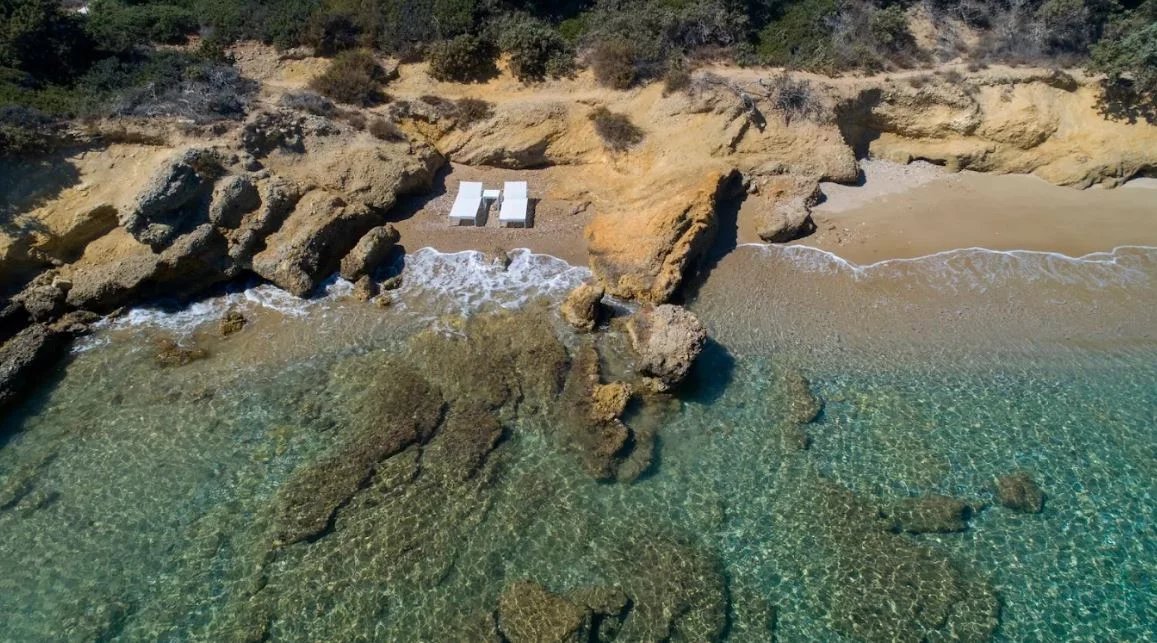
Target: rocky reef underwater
482 462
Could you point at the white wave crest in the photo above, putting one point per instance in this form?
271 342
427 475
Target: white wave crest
977 269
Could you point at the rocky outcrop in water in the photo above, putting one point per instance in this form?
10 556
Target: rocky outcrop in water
26 355
667 339
529 612
371 250
929 514
582 308
1019 492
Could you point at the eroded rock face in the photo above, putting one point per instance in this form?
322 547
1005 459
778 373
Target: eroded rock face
173 200
372 248
1019 492
667 339
582 308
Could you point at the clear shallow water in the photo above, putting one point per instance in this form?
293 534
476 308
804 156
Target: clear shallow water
137 498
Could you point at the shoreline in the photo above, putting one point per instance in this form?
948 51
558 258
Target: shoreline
899 213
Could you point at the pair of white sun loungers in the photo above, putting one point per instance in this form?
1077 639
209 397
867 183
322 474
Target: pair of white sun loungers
513 203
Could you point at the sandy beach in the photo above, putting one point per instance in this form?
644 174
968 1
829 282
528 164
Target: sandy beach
917 210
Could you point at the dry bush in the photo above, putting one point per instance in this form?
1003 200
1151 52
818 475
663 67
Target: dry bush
616 130
473 110
797 99
353 77
384 130
308 102
354 119
613 63
676 79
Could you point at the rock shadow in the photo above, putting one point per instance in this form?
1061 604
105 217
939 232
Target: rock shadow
28 183
853 116
409 205
1120 101
710 375
726 239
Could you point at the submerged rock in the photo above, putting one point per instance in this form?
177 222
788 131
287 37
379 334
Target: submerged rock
372 248
1018 491
930 514
582 308
609 401
528 612
169 353
667 339
232 322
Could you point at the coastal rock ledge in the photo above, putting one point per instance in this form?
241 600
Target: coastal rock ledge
667 339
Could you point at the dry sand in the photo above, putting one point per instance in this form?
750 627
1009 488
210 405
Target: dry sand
556 225
911 211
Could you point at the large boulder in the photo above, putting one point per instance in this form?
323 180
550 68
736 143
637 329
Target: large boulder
582 308
31 350
174 199
232 198
372 248
666 339
785 207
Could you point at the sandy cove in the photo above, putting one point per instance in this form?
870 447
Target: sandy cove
292 196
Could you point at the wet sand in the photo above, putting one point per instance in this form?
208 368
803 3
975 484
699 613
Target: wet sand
902 216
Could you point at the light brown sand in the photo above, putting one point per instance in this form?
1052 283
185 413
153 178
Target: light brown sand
556 227
964 210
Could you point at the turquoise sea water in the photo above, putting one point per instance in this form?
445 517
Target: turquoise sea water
135 499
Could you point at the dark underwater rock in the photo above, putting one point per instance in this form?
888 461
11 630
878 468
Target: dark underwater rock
232 322
529 613
930 514
169 353
1019 492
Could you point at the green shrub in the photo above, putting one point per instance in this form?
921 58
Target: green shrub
889 29
353 77
117 26
677 78
27 131
463 59
613 63
536 51
38 38
800 37
333 33
1127 55
616 130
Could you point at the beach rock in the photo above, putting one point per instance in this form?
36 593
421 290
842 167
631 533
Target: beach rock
365 289
269 131
929 514
278 197
27 354
169 353
232 198
667 339
173 200
609 401
43 302
1019 492
372 248
499 257
785 208
310 244
646 250
528 612
582 308
393 283
232 323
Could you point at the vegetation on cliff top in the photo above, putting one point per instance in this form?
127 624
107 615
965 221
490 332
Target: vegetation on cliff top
60 60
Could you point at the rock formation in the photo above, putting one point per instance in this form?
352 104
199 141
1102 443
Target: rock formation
1019 492
929 514
582 308
372 248
667 339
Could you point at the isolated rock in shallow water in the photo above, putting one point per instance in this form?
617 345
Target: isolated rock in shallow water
172 201
365 289
31 350
232 322
582 308
667 339
803 405
785 212
610 400
1019 492
528 612
170 353
930 514
372 248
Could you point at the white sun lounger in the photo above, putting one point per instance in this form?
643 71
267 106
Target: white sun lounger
467 204
514 203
